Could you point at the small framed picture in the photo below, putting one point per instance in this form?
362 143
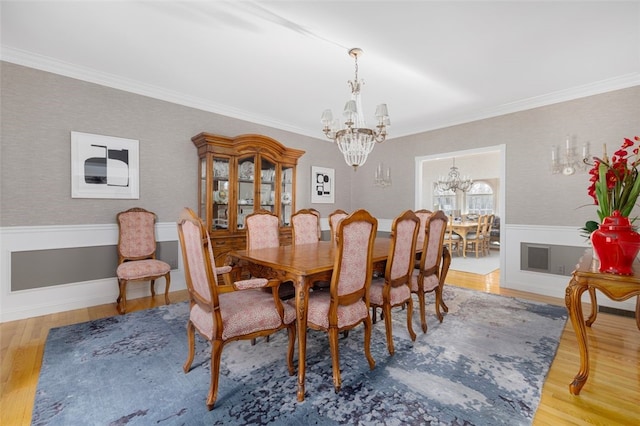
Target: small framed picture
104 167
322 185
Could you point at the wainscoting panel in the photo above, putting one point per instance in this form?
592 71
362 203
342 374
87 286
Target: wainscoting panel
512 276
24 300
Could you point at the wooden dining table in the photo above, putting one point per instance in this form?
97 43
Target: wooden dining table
462 229
303 264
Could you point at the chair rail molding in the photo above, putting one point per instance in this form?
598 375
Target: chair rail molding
511 276
22 304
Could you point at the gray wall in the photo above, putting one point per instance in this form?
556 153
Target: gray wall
533 195
40 109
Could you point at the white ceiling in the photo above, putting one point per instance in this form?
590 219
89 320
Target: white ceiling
281 63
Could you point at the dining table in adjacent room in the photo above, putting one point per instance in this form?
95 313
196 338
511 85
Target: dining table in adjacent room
585 277
462 229
302 264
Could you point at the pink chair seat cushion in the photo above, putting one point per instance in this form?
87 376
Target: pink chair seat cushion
237 319
430 282
318 311
398 294
139 269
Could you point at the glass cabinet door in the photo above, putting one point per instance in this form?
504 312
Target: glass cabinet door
267 185
246 188
286 195
220 216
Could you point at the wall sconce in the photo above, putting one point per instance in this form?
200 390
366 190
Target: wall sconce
382 177
567 161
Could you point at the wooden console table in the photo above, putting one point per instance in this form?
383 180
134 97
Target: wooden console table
587 277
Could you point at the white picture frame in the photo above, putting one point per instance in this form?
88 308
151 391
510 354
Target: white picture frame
322 185
104 167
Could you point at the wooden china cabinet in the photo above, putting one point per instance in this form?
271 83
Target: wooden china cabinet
238 176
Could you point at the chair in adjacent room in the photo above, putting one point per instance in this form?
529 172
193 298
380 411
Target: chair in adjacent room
334 218
486 234
137 254
221 314
305 224
434 266
451 239
346 304
394 288
475 239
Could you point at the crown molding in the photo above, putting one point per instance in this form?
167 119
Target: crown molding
45 63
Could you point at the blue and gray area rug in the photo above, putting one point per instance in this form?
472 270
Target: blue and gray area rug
484 365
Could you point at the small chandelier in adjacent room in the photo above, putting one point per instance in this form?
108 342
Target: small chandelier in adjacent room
454 182
355 140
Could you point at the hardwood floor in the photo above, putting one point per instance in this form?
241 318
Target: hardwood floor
611 396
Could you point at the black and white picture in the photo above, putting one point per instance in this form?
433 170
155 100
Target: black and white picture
103 166
322 185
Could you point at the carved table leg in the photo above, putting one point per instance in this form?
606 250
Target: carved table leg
594 307
574 306
302 301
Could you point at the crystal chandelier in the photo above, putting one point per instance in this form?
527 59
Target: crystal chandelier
355 140
454 182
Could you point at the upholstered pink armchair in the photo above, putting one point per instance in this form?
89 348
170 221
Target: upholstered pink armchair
434 265
394 289
239 313
346 304
137 254
305 224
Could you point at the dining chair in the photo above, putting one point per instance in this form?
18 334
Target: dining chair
394 288
334 218
435 260
423 215
221 314
451 238
137 254
475 238
346 304
486 233
305 225
263 230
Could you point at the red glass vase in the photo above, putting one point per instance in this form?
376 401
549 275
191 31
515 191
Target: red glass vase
616 244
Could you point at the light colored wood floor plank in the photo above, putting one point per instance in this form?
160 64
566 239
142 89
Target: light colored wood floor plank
611 396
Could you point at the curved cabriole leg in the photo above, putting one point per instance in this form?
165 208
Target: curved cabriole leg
121 301
335 357
574 306
166 289
423 314
367 343
152 285
594 307
216 354
410 320
291 330
386 309
191 342
438 292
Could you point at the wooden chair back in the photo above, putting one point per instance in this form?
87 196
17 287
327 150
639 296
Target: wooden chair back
334 218
263 230
305 225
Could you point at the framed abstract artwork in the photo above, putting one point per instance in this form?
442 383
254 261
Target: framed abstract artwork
322 185
104 167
